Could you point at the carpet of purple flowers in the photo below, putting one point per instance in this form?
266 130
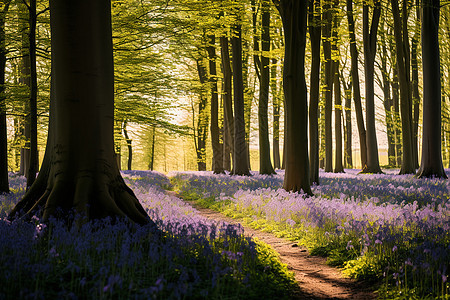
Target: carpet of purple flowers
190 257
394 230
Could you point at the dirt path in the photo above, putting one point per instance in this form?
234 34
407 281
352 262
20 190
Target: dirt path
316 279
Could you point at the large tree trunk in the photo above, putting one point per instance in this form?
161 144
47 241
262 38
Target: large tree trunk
265 165
314 89
217 160
294 16
240 155
431 164
326 33
355 84
370 39
4 183
79 169
228 119
403 67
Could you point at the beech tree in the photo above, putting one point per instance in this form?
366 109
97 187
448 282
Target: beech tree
79 170
370 45
431 163
314 89
240 154
294 16
265 165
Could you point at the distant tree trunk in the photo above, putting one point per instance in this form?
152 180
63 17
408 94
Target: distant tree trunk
152 152
130 148
387 101
240 155
79 169
396 118
355 84
202 122
276 115
33 164
256 60
431 164
217 160
338 164
403 67
265 165
249 88
348 157
228 119
315 37
4 183
326 33
370 39
294 16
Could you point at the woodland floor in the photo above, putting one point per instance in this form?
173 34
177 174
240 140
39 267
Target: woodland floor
315 278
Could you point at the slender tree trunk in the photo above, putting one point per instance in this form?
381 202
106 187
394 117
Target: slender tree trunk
338 164
129 146
415 84
431 164
403 65
202 122
4 183
396 118
329 72
215 132
228 119
348 157
152 152
79 169
240 155
276 115
265 165
315 37
370 39
355 84
387 101
33 164
294 16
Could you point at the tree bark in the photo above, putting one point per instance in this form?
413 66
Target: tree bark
338 165
4 183
33 164
315 37
294 16
217 160
329 72
240 154
202 122
79 170
348 157
431 163
355 84
276 115
265 165
403 67
228 119
370 39
129 146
